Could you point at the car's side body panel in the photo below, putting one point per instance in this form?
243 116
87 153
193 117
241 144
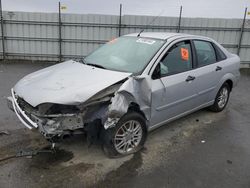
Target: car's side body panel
172 97
231 72
207 79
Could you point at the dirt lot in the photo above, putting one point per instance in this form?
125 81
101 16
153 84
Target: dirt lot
204 149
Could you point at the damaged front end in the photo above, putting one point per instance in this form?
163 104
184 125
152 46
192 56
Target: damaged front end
103 110
58 120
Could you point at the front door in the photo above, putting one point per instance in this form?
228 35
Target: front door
174 92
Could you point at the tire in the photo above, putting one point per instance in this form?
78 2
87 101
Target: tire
221 98
114 142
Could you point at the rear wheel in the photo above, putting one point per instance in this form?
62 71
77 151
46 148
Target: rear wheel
128 136
221 99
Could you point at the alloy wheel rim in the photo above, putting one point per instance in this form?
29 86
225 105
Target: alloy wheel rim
128 136
223 97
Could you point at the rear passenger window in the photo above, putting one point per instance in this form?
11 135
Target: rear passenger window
177 59
220 55
205 53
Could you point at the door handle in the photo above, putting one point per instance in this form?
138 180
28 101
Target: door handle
218 68
190 78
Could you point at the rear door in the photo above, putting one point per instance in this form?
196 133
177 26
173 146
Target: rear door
209 70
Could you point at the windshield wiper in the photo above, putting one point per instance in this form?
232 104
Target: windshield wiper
95 65
92 64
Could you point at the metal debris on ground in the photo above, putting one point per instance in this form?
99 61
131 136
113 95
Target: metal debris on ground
5 132
28 153
208 122
203 141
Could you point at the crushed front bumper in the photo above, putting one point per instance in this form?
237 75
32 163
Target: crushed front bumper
13 105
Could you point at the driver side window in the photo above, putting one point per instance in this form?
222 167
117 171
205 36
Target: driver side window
177 59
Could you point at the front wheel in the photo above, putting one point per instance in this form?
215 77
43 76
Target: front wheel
221 99
128 136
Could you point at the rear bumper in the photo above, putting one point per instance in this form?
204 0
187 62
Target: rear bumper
22 116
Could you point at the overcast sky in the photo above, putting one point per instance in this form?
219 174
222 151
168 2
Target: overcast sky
191 8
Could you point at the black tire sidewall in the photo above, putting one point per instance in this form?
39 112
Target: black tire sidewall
215 106
108 135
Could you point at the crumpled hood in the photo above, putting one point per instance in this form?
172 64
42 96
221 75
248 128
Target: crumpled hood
66 83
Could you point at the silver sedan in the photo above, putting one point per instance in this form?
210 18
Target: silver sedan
126 88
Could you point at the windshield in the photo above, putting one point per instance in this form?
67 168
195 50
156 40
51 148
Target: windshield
126 54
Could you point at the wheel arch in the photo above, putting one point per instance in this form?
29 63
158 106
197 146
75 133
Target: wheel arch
136 108
230 83
228 78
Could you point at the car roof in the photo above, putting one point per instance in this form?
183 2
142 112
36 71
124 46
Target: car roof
164 35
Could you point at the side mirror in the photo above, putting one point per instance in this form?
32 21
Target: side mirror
157 72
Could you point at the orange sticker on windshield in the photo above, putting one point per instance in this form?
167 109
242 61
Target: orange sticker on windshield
184 54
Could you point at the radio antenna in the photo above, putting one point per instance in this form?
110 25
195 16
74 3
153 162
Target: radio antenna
152 21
